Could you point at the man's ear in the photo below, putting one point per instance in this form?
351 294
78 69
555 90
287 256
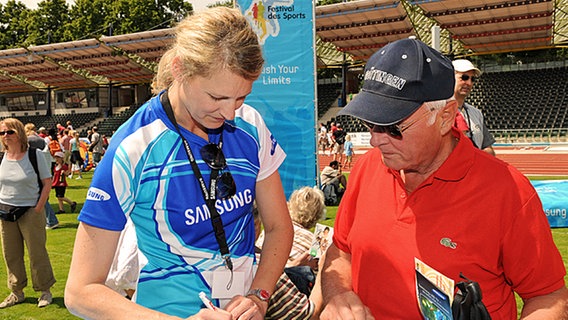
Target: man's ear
448 115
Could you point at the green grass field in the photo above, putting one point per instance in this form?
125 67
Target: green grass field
60 246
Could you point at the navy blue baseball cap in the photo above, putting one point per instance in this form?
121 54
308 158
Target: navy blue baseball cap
398 79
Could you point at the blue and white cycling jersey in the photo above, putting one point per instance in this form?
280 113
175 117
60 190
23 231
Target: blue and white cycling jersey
146 175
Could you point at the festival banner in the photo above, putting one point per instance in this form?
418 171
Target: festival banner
285 93
554 197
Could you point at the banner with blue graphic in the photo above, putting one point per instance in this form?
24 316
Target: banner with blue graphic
285 92
554 197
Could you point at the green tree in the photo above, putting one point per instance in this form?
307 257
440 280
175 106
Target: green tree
128 16
87 19
47 23
324 2
227 3
14 21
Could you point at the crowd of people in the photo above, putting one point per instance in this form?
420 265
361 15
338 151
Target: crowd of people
33 162
189 198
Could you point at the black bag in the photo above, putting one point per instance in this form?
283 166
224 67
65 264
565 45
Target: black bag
467 303
330 196
11 213
303 277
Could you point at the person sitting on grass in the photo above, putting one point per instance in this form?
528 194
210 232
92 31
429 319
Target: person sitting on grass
60 171
333 183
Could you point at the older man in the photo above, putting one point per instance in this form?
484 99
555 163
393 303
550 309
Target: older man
471 118
424 191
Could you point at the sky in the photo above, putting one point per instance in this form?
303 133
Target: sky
198 5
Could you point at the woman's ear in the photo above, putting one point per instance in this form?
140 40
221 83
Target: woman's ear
177 68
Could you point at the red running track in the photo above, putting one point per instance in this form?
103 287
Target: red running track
529 162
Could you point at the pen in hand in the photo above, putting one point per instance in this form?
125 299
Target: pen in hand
206 301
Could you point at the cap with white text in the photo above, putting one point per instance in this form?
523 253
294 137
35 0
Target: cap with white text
398 79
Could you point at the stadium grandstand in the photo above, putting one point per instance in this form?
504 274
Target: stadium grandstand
102 81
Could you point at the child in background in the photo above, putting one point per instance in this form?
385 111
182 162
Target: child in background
348 151
60 172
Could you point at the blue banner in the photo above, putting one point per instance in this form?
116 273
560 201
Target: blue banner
285 92
554 197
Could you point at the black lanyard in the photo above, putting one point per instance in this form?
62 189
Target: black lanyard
208 196
469 131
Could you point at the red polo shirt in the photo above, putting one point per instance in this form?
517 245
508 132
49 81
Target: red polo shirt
487 210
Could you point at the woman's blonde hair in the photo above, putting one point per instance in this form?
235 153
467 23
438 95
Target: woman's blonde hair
18 126
29 128
307 206
214 39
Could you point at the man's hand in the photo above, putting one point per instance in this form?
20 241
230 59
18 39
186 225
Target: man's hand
346 305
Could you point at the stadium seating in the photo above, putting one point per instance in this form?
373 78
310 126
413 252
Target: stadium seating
523 106
327 94
526 105
519 106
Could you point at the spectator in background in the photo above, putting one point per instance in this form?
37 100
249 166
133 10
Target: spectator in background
332 127
19 187
105 142
42 132
69 126
96 146
323 128
333 183
425 192
60 129
54 145
59 182
470 119
307 207
65 138
338 137
76 158
348 151
40 143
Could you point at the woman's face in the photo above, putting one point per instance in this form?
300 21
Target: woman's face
8 135
211 101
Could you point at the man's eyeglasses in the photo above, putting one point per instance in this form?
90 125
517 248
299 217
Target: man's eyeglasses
7 132
466 77
394 130
215 159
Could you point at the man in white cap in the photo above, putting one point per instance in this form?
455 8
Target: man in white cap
470 118
425 192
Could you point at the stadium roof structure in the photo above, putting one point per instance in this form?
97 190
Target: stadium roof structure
467 27
347 33
121 60
27 71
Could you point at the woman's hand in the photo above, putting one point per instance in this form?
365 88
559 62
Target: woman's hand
217 314
247 308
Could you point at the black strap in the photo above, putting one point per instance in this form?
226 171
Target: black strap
33 159
208 196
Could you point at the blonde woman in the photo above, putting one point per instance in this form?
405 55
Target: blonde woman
307 207
192 160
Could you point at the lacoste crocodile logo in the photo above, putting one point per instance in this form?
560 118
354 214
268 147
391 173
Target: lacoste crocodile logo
447 242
